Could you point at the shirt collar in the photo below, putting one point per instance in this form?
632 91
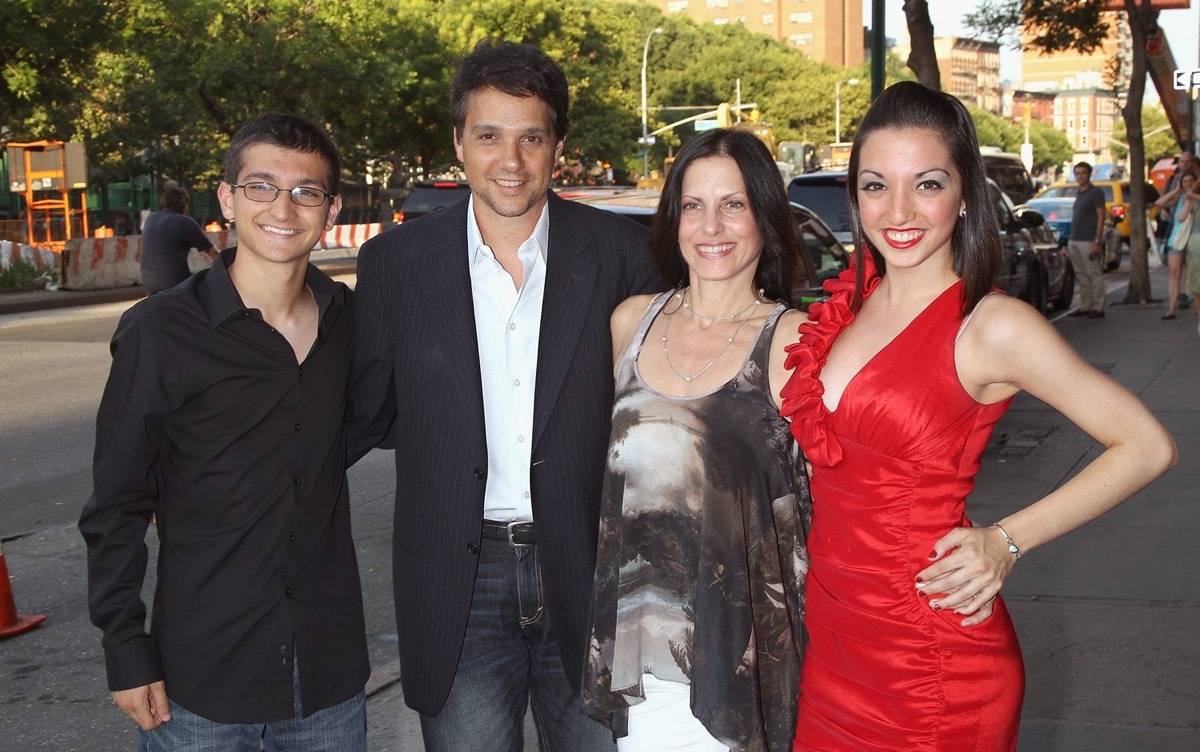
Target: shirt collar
475 244
221 301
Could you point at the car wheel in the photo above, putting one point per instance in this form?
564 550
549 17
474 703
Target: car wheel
1067 293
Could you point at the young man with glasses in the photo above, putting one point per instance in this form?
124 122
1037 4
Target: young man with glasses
223 420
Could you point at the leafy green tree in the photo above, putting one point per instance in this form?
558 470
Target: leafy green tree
1051 147
1160 145
48 51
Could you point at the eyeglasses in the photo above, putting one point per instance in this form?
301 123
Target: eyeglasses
302 195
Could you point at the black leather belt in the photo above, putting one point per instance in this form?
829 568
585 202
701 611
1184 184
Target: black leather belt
516 533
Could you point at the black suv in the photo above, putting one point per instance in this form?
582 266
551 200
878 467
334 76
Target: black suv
825 194
429 196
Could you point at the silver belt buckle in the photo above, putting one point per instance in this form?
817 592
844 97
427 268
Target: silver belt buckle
511 526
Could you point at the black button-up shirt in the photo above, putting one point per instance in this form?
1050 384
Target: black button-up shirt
209 422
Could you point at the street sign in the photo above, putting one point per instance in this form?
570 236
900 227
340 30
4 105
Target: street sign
1187 79
705 125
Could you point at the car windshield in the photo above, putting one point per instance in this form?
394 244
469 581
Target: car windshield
826 201
1061 191
1053 209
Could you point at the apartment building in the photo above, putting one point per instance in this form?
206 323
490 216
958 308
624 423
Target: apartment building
1107 67
829 31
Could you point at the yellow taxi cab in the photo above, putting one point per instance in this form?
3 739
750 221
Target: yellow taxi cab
1116 198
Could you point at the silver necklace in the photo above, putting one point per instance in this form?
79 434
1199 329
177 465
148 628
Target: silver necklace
687 306
729 342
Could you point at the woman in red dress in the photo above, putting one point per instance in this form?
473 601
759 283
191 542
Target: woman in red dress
897 383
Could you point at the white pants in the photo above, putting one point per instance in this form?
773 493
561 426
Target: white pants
664 721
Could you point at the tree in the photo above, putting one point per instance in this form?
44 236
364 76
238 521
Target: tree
1158 146
1080 25
48 52
922 58
1051 148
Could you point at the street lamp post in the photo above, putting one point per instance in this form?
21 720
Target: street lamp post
837 108
646 140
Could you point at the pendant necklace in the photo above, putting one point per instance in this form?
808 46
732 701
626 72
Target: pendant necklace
754 304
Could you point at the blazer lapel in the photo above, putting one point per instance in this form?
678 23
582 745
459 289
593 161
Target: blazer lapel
570 278
449 293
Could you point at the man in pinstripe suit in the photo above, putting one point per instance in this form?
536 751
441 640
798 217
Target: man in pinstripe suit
483 354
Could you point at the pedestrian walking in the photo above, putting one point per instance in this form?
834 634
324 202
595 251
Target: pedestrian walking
1084 244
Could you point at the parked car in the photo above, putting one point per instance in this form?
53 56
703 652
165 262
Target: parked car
825 194
822 256
1020 268
429 196
1055 276
1058 213
1116 194
1009 172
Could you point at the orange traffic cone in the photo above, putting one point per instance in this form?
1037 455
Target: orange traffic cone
12 623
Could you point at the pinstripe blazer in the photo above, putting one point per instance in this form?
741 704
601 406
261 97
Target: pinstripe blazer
416 365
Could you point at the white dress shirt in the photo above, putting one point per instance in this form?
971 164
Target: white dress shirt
507 323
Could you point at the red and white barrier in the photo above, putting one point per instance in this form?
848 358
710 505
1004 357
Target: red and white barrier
348 236
106 263
38 258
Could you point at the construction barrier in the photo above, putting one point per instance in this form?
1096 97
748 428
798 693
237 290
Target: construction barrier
107 263
39 258
12 623
348 236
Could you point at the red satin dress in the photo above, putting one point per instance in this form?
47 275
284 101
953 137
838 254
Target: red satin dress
891 469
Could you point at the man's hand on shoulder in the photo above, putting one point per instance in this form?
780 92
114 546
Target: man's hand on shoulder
146 705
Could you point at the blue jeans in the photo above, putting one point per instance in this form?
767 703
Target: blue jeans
510 660
341 728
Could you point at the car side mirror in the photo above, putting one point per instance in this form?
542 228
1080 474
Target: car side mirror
1030 217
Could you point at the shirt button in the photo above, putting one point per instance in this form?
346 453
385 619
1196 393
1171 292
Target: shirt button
288 592
297 426
516 382
526 494
479 473
472 548
292 537
283 648
298 482
512 327
520 439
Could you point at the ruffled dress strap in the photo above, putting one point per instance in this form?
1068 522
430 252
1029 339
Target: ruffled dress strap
802 395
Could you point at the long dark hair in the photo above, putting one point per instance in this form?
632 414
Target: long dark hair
768 202
975 243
